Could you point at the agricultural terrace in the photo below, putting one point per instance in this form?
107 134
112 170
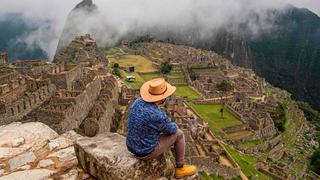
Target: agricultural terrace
140 63
247 164
146 70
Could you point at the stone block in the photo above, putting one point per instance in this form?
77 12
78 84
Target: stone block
35 174
17 138
106 157
45 163
21 160
64 154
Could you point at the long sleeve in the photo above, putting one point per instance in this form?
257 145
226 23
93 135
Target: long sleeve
166 126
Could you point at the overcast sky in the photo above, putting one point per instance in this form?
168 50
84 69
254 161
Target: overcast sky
159 11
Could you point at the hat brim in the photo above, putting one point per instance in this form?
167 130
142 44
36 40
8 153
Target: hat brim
146 96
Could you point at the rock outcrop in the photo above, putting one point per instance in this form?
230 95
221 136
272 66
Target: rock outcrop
75 26
34 151
106 157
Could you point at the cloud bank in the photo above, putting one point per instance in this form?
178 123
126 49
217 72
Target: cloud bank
117 18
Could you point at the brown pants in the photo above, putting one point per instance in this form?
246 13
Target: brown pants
166 141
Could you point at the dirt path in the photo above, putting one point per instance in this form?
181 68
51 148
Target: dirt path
223 159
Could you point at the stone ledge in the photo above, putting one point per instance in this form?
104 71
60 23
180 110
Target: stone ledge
106 157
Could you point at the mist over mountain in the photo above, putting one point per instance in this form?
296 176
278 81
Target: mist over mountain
280 42
31 29
288 56
14 28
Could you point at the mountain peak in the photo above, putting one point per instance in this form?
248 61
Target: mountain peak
85 4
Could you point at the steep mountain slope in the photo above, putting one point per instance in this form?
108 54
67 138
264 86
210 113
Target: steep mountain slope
13 30
287 55
76 21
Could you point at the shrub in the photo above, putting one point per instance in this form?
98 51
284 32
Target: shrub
315 161
224 86
278 116
166 67
193 76
116 65
116 72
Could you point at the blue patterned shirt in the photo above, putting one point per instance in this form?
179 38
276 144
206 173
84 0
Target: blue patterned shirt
145 124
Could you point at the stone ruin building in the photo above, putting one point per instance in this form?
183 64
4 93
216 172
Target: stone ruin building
203 148
75 93
3 57
82 50
246 100
63 95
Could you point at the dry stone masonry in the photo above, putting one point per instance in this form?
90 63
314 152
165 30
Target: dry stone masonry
34 151
106 157
56 117
62 95
250 99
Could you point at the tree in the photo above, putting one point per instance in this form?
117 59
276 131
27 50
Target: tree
116 65
166 67
116 72
140 39
315 161
310 113
279 117
193 76
224 86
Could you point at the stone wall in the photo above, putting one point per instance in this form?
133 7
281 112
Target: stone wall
270 144
102 114
34 69
106 157
3 57
277 152
268 131
34 151
232 129
64 79
40 91
64 116
127 95
215 168
203 149
82 50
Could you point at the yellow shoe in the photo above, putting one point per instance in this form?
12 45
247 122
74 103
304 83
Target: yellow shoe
186 170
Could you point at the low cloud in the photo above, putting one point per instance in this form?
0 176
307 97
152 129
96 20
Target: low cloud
118 18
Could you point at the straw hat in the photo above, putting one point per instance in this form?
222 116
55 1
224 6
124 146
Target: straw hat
156 90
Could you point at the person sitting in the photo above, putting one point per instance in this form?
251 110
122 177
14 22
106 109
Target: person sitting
150 132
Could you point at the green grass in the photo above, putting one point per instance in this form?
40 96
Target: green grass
204 176
249 144
145 71
201 66
150 76
183 90
246 164
136 84
113 51
140 63
187 91
172 75
211 115
291 127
